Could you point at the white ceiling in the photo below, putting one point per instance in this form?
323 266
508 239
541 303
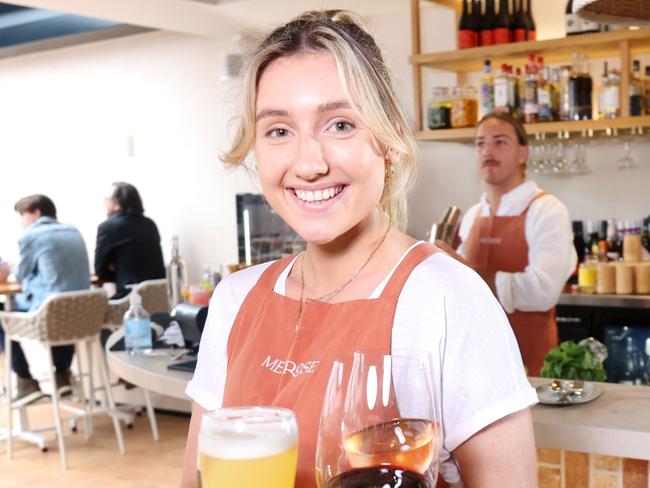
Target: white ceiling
211 18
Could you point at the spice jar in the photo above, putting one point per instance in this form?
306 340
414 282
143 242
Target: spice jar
439 110
464 106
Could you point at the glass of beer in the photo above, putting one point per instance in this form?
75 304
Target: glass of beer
248 446
380 424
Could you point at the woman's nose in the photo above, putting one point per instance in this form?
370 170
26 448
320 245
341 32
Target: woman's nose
310 162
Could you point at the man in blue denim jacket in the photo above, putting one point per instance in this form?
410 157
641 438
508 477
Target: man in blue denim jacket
53 258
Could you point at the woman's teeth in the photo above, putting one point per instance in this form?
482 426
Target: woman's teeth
318 195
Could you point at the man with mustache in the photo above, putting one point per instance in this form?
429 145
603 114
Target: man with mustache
518 238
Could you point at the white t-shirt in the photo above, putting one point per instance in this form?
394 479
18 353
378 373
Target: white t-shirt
444 308
552 257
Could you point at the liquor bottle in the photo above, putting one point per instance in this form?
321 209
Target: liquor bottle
519 21
579 244
555 93
531 28
613 246
502 24
177 278
545 97
488 23
636 90
580 89
531 84
501 99
487 90
467 33
592 233
609 101
517 81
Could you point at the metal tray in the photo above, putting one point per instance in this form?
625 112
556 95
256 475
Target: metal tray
568 392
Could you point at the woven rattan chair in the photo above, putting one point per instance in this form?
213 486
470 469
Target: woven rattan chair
68 318
155 299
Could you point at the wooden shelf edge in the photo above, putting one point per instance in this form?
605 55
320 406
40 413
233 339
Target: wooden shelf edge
467 134
604 43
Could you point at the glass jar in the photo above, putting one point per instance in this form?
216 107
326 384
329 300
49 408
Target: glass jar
439 110
464 106
587 275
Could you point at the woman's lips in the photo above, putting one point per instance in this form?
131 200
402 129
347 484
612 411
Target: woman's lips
319 199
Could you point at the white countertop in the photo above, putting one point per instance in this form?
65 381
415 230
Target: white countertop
617 423
148 371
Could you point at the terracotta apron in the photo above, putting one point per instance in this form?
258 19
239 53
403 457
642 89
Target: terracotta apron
272 363
499 244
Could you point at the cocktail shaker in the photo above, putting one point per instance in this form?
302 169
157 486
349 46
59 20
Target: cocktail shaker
447 229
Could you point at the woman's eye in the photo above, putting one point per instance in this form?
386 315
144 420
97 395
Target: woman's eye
278 133
341 126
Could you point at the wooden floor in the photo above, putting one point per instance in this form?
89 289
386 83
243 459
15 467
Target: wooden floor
96 463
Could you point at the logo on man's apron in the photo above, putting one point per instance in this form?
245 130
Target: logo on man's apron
490 240
282 367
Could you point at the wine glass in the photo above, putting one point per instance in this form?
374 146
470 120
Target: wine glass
380 424
627 161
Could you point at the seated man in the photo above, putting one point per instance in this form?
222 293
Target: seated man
53 258
128 243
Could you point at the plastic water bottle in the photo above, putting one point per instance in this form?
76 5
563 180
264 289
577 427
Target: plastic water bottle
137 327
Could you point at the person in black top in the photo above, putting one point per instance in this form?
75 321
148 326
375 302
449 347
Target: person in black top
128 243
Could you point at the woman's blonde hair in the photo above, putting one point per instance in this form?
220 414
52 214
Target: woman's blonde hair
366 80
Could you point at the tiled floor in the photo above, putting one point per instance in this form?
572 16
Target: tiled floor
96 463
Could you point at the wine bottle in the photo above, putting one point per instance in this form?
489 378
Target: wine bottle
467 34
531 28
513 19
489 19
502 24
477 16
519 21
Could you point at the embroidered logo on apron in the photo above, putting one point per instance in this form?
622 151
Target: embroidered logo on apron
282 367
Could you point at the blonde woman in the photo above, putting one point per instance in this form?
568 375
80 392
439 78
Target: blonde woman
335 159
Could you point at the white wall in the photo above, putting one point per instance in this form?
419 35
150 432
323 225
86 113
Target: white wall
66 117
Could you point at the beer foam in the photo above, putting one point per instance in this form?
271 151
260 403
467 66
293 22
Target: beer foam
255 442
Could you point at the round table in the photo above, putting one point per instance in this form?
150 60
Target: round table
148 371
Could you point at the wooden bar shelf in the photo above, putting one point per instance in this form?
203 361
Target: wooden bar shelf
600 45
622 44
572 127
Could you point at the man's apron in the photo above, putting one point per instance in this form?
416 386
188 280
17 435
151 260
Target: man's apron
499 244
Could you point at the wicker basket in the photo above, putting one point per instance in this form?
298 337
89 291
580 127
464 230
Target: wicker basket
622 12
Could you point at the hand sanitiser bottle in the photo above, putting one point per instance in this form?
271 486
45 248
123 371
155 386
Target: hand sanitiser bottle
137 327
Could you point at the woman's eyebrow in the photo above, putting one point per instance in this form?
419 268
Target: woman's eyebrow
329 106
270 112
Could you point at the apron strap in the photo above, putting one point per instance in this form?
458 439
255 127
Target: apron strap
273 272
415 256
539 195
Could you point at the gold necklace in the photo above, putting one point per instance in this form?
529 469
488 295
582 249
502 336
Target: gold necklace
328 296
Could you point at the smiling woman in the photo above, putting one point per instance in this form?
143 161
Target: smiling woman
335 159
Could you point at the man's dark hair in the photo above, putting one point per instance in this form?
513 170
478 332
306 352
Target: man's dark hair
128 198
36 202
520 131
